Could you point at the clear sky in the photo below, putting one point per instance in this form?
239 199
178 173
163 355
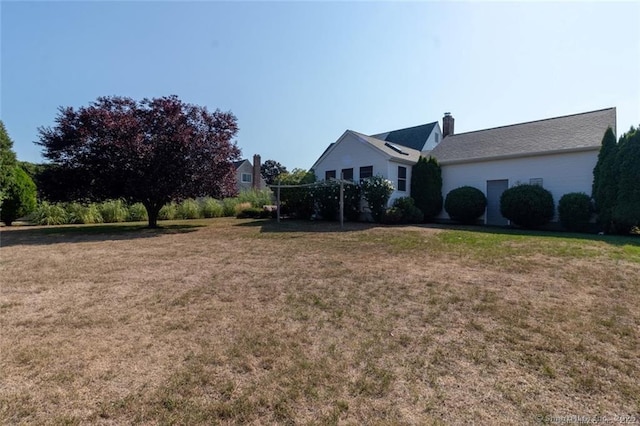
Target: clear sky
298 74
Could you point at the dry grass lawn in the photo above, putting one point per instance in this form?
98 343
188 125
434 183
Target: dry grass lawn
229 321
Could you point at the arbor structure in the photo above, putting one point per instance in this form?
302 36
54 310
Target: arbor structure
151 151
270 170
426 186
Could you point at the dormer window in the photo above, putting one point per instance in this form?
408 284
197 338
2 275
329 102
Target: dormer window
437 137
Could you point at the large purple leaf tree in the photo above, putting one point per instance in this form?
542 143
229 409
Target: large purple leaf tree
151 151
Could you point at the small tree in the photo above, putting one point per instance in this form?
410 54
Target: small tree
626 212
575 211
376 191
20 196
7 160
465 204
270 171
426 186
152 151
528 206
605 181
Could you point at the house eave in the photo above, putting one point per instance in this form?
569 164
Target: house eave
519 155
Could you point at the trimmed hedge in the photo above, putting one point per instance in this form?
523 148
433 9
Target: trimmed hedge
575 210
529 206
465 204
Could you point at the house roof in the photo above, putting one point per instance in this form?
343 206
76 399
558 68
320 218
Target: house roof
575 132
395 151
411 137
239 163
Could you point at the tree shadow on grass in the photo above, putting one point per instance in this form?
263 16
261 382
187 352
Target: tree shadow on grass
87 233
311 226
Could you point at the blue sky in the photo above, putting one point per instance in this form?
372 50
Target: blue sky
298 74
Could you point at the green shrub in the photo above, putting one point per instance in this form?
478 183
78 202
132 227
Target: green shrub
210 207
253 213
48 214
403 210
83 213
426 186
257 198
465 204
168 212
19 196
376 191
229 207
113 211
528 206
188 209
326 195
575 210
138 213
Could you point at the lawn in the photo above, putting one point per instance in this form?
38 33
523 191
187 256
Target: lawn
228 321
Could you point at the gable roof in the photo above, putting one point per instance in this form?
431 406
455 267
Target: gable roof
411 137
402 153
395 152
577 132
239 163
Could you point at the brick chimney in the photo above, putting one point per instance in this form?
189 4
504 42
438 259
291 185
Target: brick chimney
447 125
255 182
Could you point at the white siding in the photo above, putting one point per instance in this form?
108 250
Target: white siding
351 152
431 140
560 173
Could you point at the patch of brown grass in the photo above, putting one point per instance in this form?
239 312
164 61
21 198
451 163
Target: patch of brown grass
304 323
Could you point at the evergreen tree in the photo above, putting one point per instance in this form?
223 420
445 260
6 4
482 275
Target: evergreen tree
426 186
7 160
626 212
605 180
20 197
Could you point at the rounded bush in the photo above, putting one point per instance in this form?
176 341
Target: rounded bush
168 211
20 196
83 213
528 206
465 204
403 210
575 211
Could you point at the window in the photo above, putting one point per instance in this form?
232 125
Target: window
366 172
535 181
402 178
329 174
246 178
347 174
437 137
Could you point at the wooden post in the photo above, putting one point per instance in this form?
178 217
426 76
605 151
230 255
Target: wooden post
278 203
341 200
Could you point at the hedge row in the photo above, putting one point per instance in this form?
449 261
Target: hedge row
118 211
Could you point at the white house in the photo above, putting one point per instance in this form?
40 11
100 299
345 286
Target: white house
355 156
557 153
248 175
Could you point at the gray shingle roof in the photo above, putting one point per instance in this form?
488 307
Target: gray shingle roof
571 132
398 153
411 137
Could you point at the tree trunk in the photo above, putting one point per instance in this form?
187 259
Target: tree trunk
153 209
